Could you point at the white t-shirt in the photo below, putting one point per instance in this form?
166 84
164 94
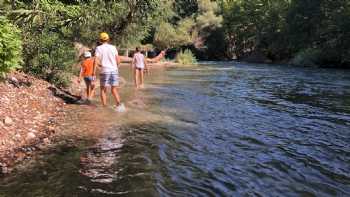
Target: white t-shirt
108 56
139 59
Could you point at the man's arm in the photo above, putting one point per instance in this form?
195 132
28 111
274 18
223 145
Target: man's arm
97 62
118 60
117 57
94 67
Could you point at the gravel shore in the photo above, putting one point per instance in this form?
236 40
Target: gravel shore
29 111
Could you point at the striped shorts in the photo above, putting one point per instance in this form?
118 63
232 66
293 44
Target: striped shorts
109 79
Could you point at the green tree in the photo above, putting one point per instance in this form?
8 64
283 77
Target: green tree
10 47
254 24
50 26
188 28
319 31
308 31
169 36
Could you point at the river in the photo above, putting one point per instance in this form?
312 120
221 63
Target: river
216 129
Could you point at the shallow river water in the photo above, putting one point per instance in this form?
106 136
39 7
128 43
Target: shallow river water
217 129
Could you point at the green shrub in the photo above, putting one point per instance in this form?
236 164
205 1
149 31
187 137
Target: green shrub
53 60
62 79
10 47
307 57
186 57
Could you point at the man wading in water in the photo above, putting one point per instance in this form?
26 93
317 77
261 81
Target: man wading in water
107 59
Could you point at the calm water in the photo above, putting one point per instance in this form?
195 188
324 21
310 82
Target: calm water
219 129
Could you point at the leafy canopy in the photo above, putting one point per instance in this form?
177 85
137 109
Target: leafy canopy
10 47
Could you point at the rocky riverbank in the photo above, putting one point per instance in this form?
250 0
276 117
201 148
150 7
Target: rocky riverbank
29 111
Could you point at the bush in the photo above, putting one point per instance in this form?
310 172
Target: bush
10 47
62 79
307 57
53 61
186 58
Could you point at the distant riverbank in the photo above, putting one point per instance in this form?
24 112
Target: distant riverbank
301 60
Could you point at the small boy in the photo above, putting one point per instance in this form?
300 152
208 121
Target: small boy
139 64
87 72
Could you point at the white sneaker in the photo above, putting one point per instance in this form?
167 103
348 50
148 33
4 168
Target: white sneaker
120 108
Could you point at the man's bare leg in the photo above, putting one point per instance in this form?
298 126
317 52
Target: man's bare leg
103 95
115 95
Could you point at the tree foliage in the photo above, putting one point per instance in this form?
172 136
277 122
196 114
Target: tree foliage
207 17
281 29
191 24
305 31
10 47
172 36
49 27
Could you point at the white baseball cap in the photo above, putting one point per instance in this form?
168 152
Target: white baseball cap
87 54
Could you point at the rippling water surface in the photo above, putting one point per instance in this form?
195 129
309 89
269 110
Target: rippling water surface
218 129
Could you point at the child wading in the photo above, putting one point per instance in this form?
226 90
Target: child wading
139 64
87 72
107 59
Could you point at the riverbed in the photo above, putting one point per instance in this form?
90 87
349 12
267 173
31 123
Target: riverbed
215 129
